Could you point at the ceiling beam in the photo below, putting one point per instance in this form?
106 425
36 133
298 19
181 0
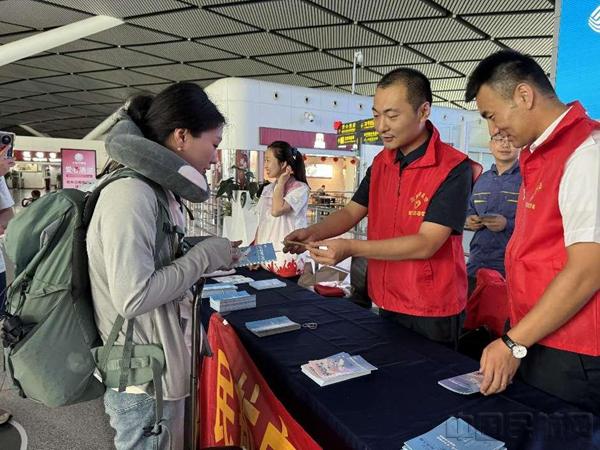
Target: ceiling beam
33 131
41 42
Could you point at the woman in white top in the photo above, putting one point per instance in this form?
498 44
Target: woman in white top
282 205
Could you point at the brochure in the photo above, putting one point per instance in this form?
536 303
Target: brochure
256 254
453 434
271 283
274 325
336 368
468 383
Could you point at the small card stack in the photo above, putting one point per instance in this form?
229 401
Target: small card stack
256 254
336 368
275 325
267 284
219 288
468 383
455 434
232 301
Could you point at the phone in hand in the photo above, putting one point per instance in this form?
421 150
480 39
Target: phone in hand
7 142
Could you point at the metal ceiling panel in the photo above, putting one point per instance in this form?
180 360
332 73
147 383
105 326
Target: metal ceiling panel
293 79
19 72
185 51
486 6
425 30
452 96
70 111
78 45
445 104
207 3
254 44
83 97
431 71
380 9
8 28
75 82
154 88
238 67
340 77
305 62
194 23
36 87
126 34
122 93
73 134
545 62
471 106
334 89
15 37
339 36
448 84
63 63
49 100
177 72
464 67
19 105
268 15
381 56
37 15
121 8
102 109
458 51
534 47
124 76
120 57
362 89
515 25
26 117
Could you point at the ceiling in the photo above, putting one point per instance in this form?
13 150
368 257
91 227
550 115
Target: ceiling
311 43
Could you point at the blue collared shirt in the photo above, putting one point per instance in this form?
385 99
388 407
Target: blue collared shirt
493 194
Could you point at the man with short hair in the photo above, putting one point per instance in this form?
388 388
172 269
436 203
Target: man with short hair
491 213
415 194
553 258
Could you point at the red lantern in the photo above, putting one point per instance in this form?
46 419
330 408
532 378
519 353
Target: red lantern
337 125
352 161
323 158
336 159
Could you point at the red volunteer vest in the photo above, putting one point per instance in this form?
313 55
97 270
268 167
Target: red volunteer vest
435 287
536 253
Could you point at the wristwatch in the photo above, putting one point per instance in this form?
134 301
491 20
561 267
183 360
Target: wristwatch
518 351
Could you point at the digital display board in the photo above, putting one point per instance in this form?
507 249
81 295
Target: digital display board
578 62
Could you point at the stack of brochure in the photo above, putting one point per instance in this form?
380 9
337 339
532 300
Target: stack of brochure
455 434
218 288
275 325
267 284
465 384
256 254
336 368
232 301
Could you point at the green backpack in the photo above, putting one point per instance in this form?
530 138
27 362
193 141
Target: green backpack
51 343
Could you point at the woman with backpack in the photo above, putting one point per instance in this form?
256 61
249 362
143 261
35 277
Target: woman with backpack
135 272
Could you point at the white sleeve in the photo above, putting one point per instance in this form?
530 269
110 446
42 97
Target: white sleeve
6 200
579 193
297 198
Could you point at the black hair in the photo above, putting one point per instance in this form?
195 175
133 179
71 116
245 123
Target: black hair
284 152
181 105
418 88
503 71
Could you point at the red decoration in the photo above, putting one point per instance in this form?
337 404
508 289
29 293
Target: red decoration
336 159
352 161
337 124
323 158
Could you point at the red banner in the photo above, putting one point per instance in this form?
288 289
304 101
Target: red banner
237 406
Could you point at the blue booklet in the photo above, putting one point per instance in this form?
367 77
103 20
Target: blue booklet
271 283
453 434
468 383
274 325
256 254
232 301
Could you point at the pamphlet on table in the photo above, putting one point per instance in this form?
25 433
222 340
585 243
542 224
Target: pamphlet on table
336 368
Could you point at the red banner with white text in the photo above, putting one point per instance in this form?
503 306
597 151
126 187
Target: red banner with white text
237 407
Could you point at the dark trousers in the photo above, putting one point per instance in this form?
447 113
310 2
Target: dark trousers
444 330
570 376
472 285
2 292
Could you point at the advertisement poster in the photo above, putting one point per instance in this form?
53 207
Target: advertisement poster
78 168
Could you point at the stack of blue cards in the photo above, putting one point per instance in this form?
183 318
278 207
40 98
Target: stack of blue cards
232 301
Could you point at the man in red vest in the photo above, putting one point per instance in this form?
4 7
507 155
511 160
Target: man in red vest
553 258
416 194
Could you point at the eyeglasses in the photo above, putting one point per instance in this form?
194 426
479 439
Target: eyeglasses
499 138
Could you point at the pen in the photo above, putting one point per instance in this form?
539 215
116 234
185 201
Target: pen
303 244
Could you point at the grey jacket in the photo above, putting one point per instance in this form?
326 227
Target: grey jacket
120 245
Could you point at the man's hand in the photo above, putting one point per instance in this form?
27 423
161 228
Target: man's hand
473 223
305 235
495 223
498 366
336 250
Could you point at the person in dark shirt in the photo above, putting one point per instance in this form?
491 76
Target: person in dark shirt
492 208
415 195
